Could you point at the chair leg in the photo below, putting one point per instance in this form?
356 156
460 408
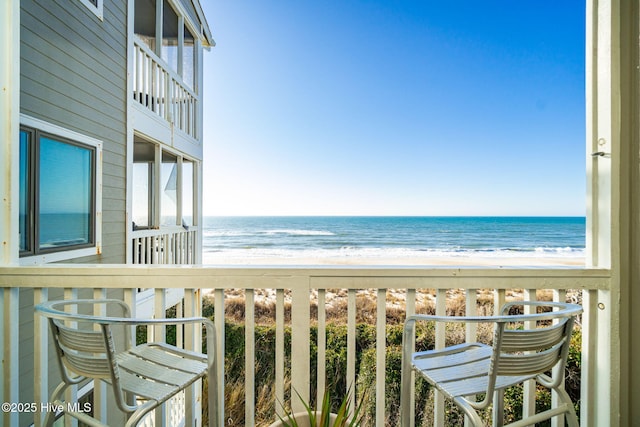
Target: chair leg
55 398
471 413
498 408
572 418
212 397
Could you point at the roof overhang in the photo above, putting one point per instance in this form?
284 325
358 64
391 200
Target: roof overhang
208 41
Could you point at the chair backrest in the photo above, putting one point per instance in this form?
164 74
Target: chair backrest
85 347
82 352
536 348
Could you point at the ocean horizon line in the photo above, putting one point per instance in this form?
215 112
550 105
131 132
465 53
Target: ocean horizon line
390 216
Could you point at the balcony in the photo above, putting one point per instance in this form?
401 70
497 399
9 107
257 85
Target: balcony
168 245
293 288
160 97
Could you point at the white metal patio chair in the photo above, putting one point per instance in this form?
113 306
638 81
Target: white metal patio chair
98 346
519 353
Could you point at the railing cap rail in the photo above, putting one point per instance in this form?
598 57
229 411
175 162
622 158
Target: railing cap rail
564 310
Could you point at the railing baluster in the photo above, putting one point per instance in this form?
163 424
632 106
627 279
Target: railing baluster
322 345
249 359
100 387
410 303
558 296
471 328
162 91
351 342
40 357
381 347
159 335
71 394
441 309
529 390
192 308
279 385
219 324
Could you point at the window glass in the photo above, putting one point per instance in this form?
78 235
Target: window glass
145 22
65 194
188 58
142 195
25 191
169 190
187 192
169 36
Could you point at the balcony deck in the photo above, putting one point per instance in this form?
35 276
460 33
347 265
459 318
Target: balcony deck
298 283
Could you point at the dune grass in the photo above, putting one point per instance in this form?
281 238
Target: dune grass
365 358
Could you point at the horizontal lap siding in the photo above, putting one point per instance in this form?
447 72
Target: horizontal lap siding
73 74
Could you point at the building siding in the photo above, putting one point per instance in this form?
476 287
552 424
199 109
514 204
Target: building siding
73 74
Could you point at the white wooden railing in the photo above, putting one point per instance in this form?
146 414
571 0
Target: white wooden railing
298 286
162 91
174 245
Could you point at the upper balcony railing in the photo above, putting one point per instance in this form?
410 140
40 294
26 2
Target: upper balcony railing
162 91
300 297
168 245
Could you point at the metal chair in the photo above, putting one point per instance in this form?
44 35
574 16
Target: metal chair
92 341
520 352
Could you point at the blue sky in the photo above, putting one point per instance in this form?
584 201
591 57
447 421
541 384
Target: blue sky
395 108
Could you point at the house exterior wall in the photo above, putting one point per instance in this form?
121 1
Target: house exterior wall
73 74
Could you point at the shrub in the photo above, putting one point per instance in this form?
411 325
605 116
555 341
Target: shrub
336 367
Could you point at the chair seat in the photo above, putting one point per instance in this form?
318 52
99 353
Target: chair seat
157 371
461 370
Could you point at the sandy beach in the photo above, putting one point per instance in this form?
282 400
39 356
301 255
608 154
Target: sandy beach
395 298
462 261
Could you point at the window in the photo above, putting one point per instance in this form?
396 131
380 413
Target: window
169 185
163 187
142 206
169 51
57 193
94 6
188 58
187 192
178 48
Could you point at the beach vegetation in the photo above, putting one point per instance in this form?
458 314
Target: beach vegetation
336 361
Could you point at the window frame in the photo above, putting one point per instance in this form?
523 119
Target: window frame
37 129
95 6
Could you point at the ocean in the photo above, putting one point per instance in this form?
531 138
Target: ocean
344 238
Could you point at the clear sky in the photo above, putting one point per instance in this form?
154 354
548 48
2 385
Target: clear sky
426 107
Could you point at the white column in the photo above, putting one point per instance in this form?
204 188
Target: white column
9 129
602 374
9 190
